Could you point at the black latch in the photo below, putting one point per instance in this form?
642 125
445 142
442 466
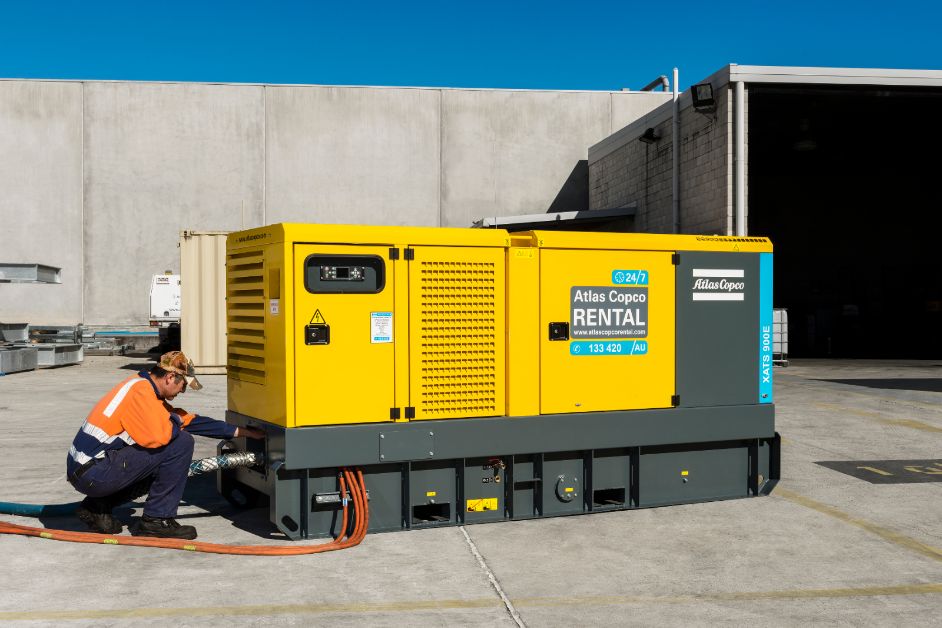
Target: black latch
559 331
409 253
675 259
317 334
675 401
410 412
393 253
393 414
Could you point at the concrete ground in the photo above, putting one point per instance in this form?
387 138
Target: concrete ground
825 547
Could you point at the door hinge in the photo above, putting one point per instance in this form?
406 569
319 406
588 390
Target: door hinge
409 253
675 259
393 414
675 401
410 412
393 253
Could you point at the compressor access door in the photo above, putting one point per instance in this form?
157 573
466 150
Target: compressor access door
343 318
607 327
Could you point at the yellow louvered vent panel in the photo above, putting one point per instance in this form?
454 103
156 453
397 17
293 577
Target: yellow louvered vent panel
458 303
245 316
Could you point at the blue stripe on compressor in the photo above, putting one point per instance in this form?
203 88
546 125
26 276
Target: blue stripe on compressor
765 328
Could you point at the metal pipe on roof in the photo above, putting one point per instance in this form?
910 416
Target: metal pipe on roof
675 155
661 80
739 165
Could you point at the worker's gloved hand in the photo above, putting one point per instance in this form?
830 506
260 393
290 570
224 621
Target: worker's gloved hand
250 432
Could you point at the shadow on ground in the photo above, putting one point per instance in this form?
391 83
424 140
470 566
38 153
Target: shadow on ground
904 383
139 366
200 492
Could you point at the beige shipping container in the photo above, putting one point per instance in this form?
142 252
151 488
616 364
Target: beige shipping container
203 299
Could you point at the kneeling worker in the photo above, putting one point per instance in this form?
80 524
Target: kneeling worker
134 442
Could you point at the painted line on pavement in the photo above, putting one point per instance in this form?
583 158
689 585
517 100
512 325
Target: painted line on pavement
255 610
262 610
819 386
912 423
880 417
739 596
886 534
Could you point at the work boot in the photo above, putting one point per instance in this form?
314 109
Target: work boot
96 514
164 528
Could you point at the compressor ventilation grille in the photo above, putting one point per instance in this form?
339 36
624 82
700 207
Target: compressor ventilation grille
459 352
245 316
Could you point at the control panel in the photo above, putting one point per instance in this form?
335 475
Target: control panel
342 273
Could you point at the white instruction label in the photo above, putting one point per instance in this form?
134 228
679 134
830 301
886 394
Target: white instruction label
273 306
381 327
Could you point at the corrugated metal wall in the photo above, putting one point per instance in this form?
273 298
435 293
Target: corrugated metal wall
203 299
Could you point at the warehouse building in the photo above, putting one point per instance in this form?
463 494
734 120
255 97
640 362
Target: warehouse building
835 165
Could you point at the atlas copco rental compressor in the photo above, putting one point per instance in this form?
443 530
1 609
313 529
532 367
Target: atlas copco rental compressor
478 375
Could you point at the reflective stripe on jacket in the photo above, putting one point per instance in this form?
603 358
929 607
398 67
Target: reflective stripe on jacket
131 413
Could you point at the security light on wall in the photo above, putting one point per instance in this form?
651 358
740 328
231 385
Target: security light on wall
703 100
649 136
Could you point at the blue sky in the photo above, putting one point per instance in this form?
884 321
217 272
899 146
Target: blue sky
509 44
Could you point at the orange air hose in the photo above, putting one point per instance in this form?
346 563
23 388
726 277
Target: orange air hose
343 500
355 514
358 498
365 502
360 512
360 515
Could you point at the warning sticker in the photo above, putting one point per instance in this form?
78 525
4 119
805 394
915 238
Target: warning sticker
606 312
380 327
482 505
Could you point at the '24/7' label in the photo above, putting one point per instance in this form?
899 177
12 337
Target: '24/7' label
630 277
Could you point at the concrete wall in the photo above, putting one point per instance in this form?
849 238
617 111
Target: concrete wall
41 197
510 153
160 158
623 169
352 155
100 178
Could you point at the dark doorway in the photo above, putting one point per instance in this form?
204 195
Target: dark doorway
847 183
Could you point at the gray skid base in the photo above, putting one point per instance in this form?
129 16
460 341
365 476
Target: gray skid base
454 472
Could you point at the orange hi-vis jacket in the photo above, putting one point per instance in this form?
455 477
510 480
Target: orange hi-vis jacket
132 413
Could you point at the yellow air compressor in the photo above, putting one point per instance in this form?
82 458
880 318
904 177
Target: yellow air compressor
479 375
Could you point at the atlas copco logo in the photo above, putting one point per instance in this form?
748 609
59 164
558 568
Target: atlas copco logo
723 285
254 236
718 284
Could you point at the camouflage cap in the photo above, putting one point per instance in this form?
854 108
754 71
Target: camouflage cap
177 362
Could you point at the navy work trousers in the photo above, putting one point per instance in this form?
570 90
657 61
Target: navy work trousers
164 469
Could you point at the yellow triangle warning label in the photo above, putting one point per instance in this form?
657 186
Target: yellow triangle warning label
736 247
317 319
